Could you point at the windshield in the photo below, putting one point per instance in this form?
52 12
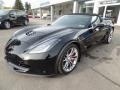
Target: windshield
82 21
4 12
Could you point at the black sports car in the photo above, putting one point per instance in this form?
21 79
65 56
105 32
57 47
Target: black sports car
56 48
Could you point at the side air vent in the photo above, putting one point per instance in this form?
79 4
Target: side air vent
15 42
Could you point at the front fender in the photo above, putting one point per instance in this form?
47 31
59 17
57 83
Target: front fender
54 52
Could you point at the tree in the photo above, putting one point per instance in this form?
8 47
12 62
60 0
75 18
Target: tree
27 7
7 7
18 5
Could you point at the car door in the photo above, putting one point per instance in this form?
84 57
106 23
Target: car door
13 16
88 36
20 17
94 32
98 31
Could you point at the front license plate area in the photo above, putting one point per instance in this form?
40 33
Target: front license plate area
18 68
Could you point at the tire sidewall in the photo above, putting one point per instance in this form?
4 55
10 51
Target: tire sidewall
58 65
25 23
4 24
107 37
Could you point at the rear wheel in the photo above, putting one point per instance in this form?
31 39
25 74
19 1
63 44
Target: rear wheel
108 37
7 25
25 23
68 59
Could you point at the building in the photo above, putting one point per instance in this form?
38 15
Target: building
56 8
105 8
1 4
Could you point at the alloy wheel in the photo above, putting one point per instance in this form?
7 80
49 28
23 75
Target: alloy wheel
70 59
110 36
7 25
26 23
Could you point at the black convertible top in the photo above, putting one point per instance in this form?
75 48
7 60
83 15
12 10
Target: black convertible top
87 14
84 14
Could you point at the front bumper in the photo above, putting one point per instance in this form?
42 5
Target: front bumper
40 67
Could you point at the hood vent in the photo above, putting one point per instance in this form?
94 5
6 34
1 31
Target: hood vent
30 33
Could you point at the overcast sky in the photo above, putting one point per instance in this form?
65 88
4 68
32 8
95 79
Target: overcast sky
10 3
34 3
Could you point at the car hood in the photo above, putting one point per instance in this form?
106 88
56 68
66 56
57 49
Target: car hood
24 39
38 33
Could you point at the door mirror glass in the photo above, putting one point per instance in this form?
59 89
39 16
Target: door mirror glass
12 15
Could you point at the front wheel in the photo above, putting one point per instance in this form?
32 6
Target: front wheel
7 25
68 59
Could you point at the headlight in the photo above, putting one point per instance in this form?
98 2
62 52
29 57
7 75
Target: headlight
44 46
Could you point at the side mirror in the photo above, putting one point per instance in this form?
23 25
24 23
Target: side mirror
12 15
96 27
100 25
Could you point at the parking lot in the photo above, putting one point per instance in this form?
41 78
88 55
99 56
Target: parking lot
98 70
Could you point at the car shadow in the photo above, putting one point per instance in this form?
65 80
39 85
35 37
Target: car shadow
15 27
93 57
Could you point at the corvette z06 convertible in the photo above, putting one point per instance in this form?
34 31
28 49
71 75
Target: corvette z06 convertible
56 48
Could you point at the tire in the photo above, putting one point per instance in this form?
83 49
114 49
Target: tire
7 25
65 61
108 37
25 23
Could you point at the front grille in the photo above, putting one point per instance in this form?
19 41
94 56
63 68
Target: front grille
44 67
16 60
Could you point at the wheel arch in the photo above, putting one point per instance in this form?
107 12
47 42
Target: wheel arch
109 28
75 42
7 21
79 44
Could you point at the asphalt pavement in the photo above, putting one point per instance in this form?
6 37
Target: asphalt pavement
98 70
